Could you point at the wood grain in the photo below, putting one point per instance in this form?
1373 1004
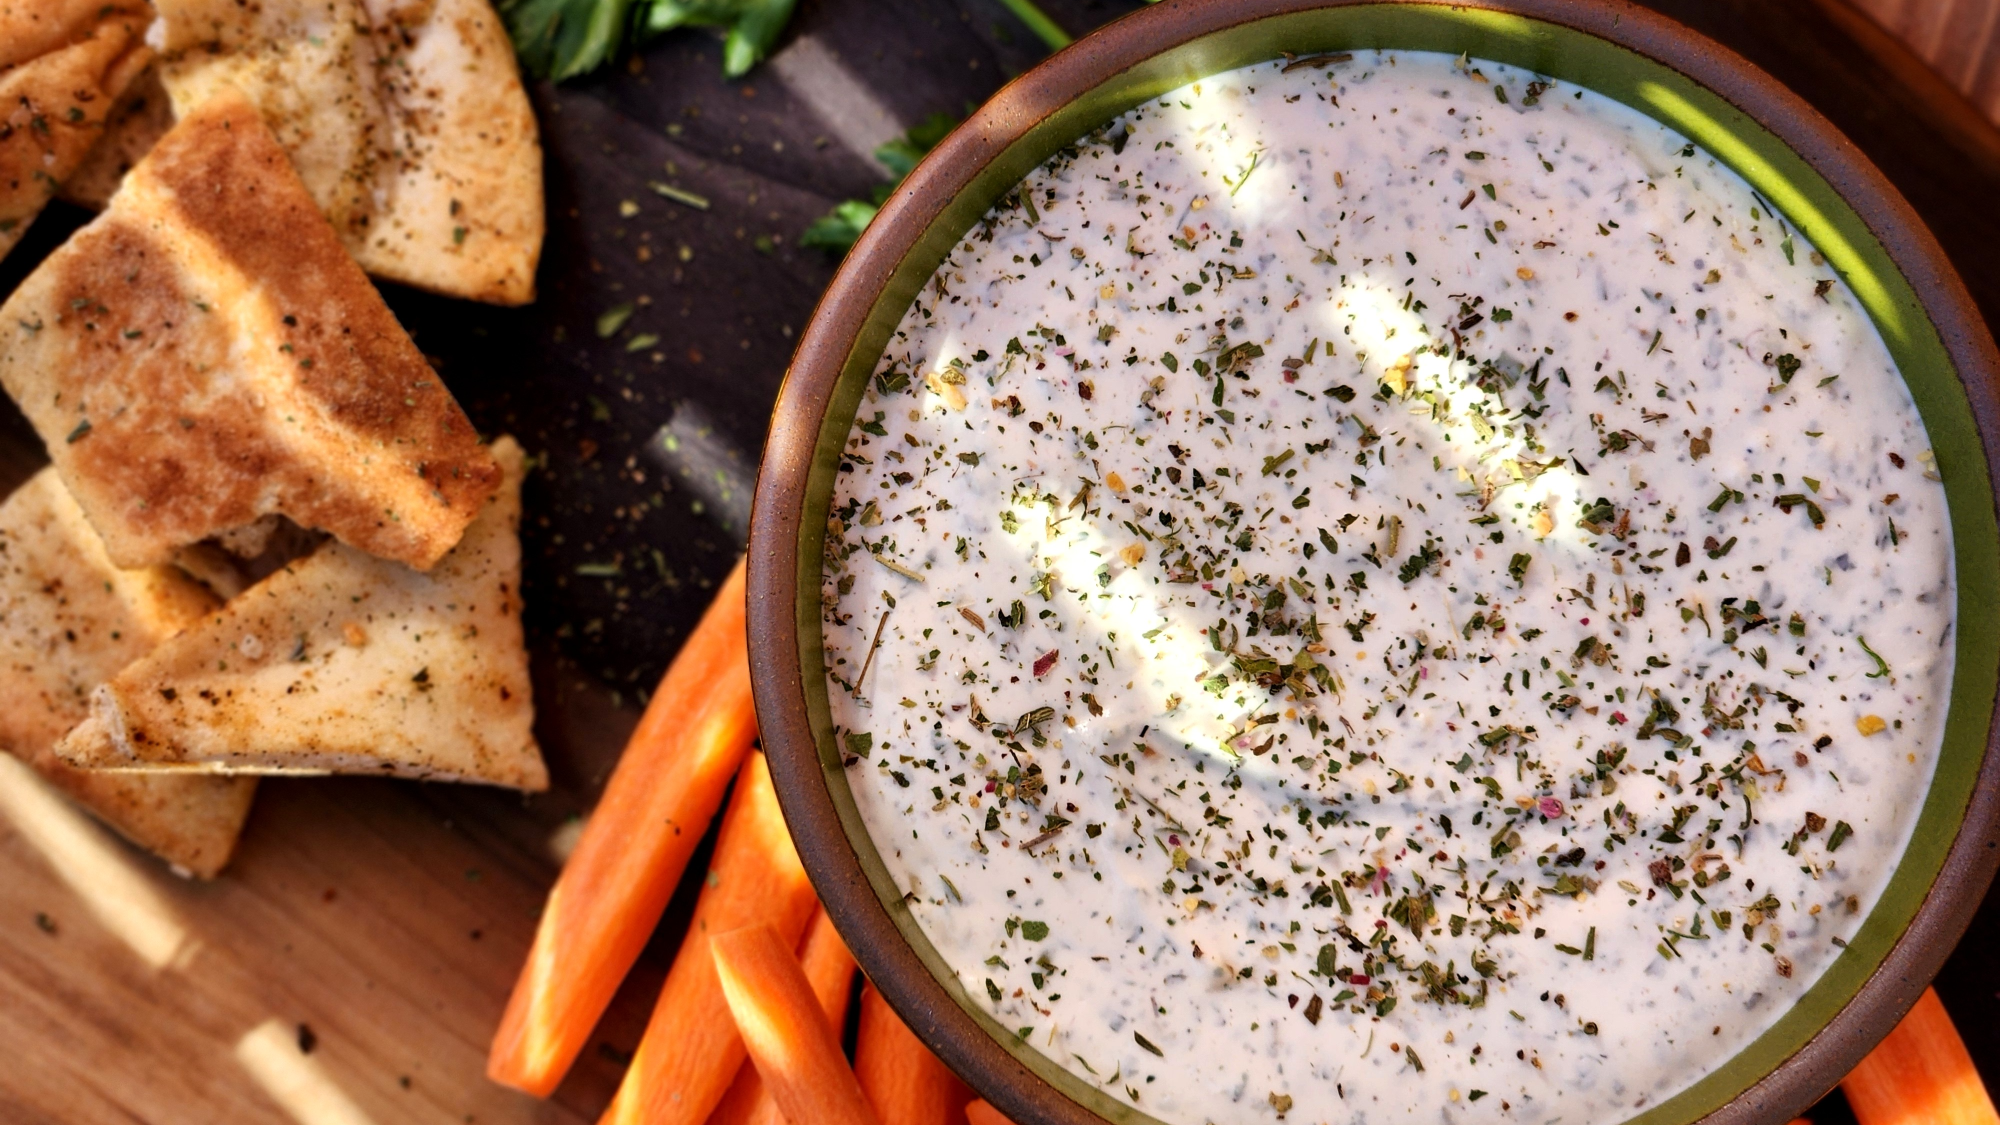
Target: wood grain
379 924
354 911
1956 37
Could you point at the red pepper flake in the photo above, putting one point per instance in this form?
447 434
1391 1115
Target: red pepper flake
1044 662
1358 980
1618 718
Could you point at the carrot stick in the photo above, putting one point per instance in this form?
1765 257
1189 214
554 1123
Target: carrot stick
905 1083
691 1051
979 1113
1920 1074
830 968
741 1104
797 1054
633 850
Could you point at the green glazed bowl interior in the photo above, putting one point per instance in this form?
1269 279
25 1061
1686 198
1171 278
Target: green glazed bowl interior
1789 155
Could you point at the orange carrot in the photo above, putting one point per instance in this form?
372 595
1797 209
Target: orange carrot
797 1054
691 1050
655 809
979 1113
1920 1073
905 1083
741 1104
830 968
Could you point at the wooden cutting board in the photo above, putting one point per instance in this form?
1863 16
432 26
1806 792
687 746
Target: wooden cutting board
350 966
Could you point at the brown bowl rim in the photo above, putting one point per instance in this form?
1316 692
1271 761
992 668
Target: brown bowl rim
784 721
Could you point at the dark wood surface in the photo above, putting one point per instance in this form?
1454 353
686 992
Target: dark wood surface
390 917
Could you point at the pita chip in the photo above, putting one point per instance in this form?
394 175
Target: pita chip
406 119
69 620
343 663
205 353
133 126
63 65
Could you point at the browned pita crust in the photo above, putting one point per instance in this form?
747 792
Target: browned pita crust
206 353
69 620
63 64
343 663
406 119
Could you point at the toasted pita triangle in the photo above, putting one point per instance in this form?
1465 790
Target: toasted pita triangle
69 620
206 353
63 64
343 663
406 119
142 115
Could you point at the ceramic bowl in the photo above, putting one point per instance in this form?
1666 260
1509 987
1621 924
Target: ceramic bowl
1741 116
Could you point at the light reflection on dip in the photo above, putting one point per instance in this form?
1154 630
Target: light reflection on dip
1387 590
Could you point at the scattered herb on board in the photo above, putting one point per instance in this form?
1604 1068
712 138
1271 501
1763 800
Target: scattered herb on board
679 195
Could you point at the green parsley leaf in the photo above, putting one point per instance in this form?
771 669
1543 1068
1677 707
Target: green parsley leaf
561 39
754 25
900 155
840 228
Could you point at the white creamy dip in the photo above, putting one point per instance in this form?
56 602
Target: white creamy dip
1385 588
